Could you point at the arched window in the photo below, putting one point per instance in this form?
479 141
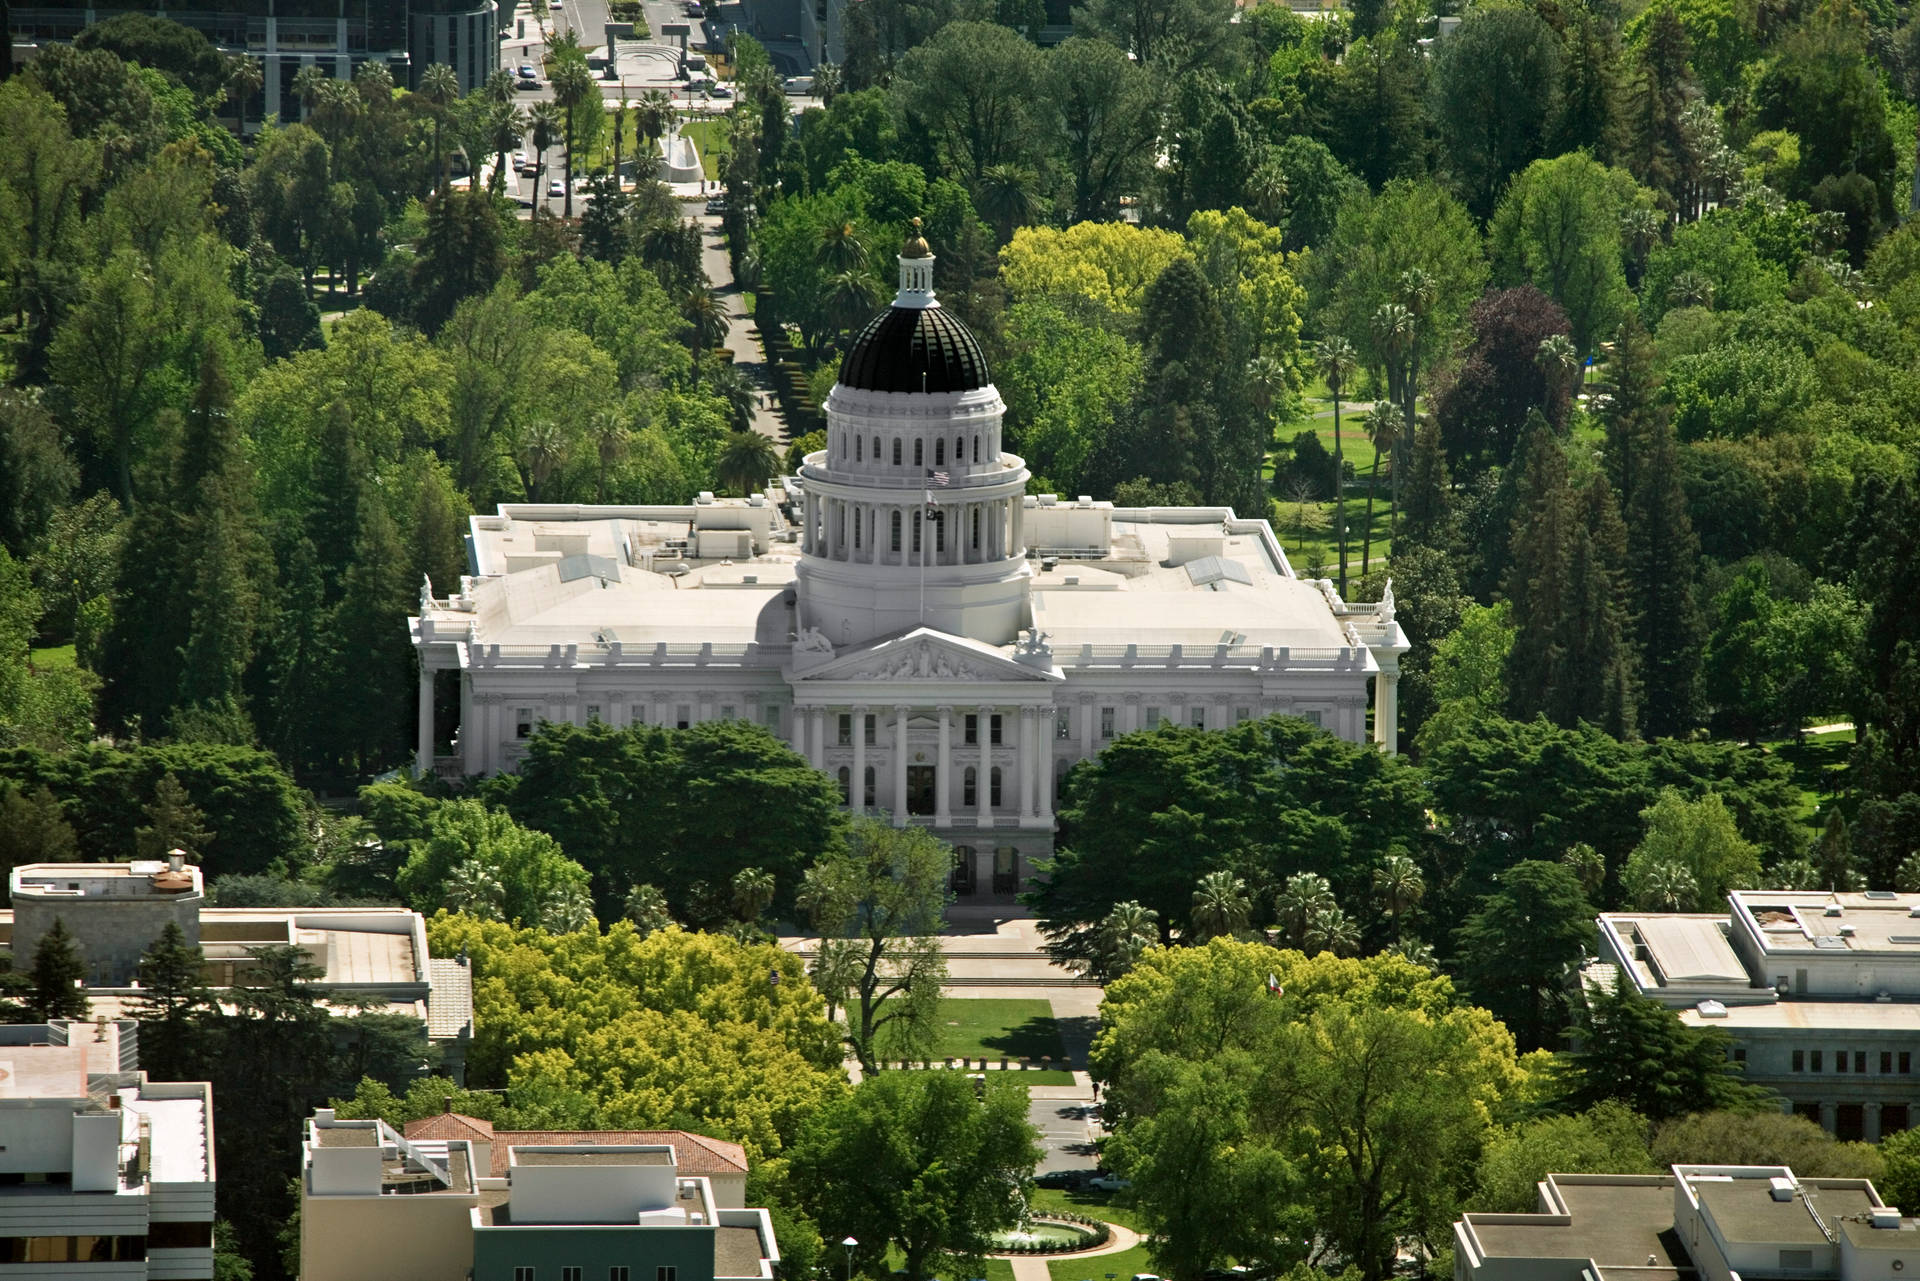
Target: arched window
896 532
939 452
959 449
976 449
916 452
919 519
970 787
869 787
846 786
896 451
876 449
858 444
993 790
976 528
859 520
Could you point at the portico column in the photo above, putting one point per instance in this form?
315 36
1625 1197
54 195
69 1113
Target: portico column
797 731
857 793
1043 782
423 764
943 773
1025 763
817 737
1087 739
806 541
1386 711
983 785
1132 722
1019 531
900 766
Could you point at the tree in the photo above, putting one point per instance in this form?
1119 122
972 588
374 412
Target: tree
1221 907
1110 264
1833 854
572 86
468 845
173 1007
1483 410
1185 34
1739 663
1306 896
1127 931
1106 103
646 907
173 823
56 982
1400 886
1337 361
1352 1101
1497 86
915 1161
1558 228
33 829
441 88
1700 837
752 893
1385 430
973 86
547 127
1769 1137
879 901
1517 948
460 256
1608 1138
1636 1051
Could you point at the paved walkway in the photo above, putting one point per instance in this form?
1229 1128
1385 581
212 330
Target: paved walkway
748 356
1033 1267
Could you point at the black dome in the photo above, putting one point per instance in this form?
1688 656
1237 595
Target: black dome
915 349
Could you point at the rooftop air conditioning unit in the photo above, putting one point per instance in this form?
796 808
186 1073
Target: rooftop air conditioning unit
1886 1216
1780 1189
1847 931
1833 909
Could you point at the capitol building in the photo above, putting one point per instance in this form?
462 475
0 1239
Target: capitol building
902 611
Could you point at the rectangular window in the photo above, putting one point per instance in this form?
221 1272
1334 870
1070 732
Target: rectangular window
1197 717
970 733
1886 1063
616 1274
1739 1054
1313 719
1241 715
1063 724
637 714
593 713
1859 1060
846 730
770 717
1839 1060
728 712
1818 1057
523 1274
569 1274
993 730
1906 1062
870 726
1799 1060
1106 723
523 722
666 1274
1153 718
683 715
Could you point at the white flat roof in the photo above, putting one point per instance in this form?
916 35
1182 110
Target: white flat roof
1690 949
1813 1016
178 1127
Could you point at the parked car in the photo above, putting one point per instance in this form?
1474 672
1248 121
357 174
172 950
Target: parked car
1061 1179
526 82
719 91
527 169
799 84
717 205
1107 1181
556 189
694 10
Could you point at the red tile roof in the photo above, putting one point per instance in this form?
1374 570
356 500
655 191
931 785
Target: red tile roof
695 1155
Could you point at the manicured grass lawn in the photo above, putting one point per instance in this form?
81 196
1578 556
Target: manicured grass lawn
991 1269
1095 1205
711 137
1819 768
54 656
1315 545
992 1028
1120 1266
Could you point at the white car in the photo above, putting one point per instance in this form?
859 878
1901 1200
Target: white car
1108 1182
519 159
556 189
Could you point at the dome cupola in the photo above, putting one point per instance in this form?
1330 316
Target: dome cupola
915 344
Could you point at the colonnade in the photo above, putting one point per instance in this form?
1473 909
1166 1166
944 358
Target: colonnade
966 532
1023 759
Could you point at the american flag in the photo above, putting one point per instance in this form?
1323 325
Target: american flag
938 479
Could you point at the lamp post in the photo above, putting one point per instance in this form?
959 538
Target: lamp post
849 1243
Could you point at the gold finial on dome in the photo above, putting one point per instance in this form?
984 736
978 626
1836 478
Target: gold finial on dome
917 246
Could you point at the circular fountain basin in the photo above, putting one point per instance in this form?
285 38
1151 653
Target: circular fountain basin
1047 1236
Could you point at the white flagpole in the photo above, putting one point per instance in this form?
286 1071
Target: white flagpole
926 502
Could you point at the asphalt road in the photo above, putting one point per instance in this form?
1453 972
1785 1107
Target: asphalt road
1067 1128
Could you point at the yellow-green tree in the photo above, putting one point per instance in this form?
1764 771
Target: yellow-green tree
1111 263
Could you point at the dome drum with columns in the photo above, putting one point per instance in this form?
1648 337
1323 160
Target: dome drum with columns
937 640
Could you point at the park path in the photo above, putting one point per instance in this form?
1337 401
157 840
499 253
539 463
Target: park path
748 356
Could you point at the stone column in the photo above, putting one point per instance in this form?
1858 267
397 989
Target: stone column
704 710
797 732
857 794
900 766
1024 765
1386 711
807 527
1019 531
943 772
817 737
423 761
1089 734
983 784
1043 784
1131 720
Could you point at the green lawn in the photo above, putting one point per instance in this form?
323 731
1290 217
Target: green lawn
1095 1205
53 656
992 1028
711 137
1311 542
991 1269
1120 1266
1819 768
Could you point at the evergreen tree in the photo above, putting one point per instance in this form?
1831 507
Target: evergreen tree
1426 510
1643 462
1833 854
299 664
1545 530
33 829
1662 86
371 731
53 988
173 823
1598 681
338 471
1638 1052
1590 103
460 256
1883 546
1184 336
1517 949
173 1007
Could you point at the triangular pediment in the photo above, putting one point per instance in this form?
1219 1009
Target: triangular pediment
924 654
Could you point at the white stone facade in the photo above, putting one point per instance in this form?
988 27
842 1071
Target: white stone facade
905 615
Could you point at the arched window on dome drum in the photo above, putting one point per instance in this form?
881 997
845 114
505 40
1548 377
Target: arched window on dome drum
970 787
976 449
896 531
959 449
939 452
857 445
993 791
868 788
896 451
876 449
976 529
917 460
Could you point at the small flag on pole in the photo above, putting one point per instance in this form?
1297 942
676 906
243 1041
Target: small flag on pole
1273 985
938 479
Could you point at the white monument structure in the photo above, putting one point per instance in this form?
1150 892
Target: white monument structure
943 643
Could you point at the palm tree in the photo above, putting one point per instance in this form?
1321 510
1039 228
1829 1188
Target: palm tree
1587 866
746 461
1304 894
1419 953
1267 191
572 82
245 77
1418 290
546 125
646 907
827 82
568 911
1330 930
1127 931
375 83
1337 361
653 120
1383 432
840 249
1009 197
1642 227
752 893
506 126
1667 887
1268 383
499 85
337 104
1795 874
1906 877
472 888
1559 361
1690 289
539 451
851 297
306 85
441 88
608 430
1398 882
726 382
1221 907
706 317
